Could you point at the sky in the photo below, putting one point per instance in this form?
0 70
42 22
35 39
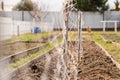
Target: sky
52 5
111 3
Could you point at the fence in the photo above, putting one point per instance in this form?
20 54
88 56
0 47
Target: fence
112 16
91 19
21 22
9 27
5 28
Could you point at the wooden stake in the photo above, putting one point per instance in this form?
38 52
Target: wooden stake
80 49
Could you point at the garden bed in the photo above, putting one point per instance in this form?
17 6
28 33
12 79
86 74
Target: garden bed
94 65
111 37
13 48
13 68
20 46
18 59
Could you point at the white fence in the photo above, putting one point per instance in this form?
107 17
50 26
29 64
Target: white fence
92 19
20 27
9 27
13 24
112 16
5 28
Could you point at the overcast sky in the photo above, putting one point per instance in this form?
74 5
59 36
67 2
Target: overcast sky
111 3
53 5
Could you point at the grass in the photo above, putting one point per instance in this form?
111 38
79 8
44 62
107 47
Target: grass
112 49
32 56
28 37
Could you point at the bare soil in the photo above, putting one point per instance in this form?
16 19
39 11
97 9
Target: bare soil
9 49
111 37
93 65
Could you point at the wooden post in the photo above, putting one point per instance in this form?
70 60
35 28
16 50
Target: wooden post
79 22
104 25
115 26
18 31
80 49
66 29
65 37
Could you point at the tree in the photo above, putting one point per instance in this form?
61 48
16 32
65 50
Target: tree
104 6
117 5
32 8
91 5
24 5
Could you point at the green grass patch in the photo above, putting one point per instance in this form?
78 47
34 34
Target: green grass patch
28 37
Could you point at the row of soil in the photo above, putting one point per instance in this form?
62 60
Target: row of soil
93 65
12 48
